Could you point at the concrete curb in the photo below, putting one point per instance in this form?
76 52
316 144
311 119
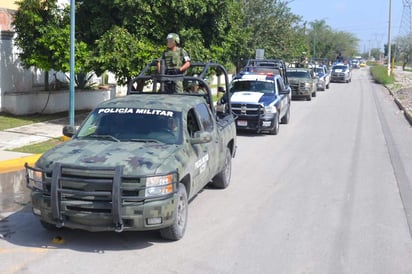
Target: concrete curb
406 113
14 165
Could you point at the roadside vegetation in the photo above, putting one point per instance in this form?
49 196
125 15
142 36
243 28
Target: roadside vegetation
39 148
380 74
10 121
133 33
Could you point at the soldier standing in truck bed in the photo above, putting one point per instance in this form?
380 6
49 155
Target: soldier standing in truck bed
176 59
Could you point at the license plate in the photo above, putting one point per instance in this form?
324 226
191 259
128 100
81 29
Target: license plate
242 123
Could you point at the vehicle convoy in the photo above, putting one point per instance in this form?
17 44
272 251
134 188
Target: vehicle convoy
136 160
266 66
260 100
341 73
323 74
303 82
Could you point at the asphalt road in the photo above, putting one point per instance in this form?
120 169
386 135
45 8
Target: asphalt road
330 194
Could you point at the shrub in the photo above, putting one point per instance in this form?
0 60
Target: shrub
380 75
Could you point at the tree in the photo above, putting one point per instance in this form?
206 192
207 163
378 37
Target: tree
144 25
31 21
273 28
43 35
121 53
404 49
328 43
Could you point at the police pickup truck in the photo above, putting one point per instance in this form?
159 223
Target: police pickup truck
323 74
261 101
136 160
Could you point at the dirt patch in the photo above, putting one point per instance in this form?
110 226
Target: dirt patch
402 88
404 95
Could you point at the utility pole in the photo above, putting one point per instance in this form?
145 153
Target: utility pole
72 42
389 38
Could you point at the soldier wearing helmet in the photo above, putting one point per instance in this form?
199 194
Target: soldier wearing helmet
176 59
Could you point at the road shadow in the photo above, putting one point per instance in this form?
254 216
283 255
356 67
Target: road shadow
23 229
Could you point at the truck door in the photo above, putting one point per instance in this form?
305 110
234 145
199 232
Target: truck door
282 104
206 154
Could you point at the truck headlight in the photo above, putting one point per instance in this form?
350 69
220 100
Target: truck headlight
159 185
270 110
34 178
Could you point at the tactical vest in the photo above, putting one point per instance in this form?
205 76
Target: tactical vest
173 59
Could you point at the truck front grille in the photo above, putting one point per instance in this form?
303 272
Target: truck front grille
247 109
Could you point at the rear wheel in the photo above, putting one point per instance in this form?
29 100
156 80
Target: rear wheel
177 229
222 179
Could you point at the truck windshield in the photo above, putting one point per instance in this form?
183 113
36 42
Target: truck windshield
340 68
253 86
133 125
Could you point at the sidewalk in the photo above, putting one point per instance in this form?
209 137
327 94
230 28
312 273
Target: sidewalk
27 135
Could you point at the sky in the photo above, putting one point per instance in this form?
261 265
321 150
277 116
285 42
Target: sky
368 20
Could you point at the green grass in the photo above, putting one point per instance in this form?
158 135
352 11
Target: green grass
39 148
10 121
380 75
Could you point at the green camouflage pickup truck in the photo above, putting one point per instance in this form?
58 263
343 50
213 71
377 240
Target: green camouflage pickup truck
303 82
136 160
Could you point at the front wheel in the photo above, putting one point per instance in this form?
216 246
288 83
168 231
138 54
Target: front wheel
48 226
222 179
177 229
286 118
276 123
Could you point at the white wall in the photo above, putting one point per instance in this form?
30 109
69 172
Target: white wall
23 103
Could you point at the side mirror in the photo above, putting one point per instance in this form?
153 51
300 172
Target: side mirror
201 137
69 131
285 91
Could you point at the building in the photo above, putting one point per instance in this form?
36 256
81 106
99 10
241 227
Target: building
13 77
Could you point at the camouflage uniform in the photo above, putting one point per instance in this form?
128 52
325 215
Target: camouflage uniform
173 61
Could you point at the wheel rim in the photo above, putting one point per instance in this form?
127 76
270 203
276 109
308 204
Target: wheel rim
181 211
228 167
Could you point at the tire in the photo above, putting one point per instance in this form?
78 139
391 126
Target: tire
309 98
314 94
275 130
49 227
286 118
222 179
177 229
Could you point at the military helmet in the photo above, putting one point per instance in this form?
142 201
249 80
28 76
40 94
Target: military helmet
174 36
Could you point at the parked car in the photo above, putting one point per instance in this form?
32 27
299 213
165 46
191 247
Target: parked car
341 73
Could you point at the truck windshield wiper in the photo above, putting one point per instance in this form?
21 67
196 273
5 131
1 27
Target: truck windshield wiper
145 140
97 136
